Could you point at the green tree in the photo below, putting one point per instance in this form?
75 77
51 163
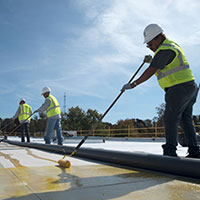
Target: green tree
122 125
9 124
160 112
91 117
125 123
64 121
75 118
38 124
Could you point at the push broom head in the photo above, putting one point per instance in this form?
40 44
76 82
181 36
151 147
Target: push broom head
64 163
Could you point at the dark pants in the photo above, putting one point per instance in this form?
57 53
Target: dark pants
25 128
179 107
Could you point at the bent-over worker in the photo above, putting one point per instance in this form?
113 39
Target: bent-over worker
175 77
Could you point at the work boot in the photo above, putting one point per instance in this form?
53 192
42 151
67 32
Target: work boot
193 152
193 156
169 150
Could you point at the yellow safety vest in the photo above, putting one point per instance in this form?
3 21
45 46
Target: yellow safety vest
25 112
177 71
54 108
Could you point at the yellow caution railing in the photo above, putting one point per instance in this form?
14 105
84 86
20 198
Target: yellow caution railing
118 132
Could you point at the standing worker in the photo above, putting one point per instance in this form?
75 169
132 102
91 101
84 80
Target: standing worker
175 77
52 108
23 113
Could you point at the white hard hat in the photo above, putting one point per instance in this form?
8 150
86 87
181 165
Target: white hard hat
22 99
45 89
151 31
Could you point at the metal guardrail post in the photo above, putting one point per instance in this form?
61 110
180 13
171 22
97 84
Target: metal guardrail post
108 131
129 130
156 130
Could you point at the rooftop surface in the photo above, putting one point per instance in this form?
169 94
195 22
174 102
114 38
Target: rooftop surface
31 174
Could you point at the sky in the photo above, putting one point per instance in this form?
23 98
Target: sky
89 49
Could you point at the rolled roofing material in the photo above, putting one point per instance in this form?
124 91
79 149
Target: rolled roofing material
172 165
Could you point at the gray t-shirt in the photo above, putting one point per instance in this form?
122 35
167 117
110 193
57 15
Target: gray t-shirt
44 107
162 58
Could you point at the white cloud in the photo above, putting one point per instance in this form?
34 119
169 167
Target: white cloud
96 57
112 42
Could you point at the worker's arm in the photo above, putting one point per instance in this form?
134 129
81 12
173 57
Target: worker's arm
17 113
149 72
160 60
45 105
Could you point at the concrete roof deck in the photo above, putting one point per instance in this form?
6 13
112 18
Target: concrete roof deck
28 174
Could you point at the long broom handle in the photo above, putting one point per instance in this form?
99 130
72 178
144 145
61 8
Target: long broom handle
97 123
23 122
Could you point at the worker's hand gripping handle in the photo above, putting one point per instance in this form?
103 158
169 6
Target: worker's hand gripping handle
147 59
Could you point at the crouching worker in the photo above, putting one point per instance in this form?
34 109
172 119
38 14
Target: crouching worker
52 108
24 113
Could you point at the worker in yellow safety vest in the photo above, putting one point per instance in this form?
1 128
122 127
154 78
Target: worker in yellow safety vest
53 112
23 113
175 77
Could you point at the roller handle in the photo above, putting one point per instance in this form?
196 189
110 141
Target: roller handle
95 125
23 122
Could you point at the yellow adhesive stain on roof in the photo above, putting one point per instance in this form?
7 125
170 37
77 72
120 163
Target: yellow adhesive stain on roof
23 180
14 161
94 181
104 181
29 152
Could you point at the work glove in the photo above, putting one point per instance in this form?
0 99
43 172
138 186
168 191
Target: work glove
126 87
148 59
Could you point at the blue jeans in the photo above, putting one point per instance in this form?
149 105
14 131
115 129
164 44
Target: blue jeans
179 107
25 128
51 125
